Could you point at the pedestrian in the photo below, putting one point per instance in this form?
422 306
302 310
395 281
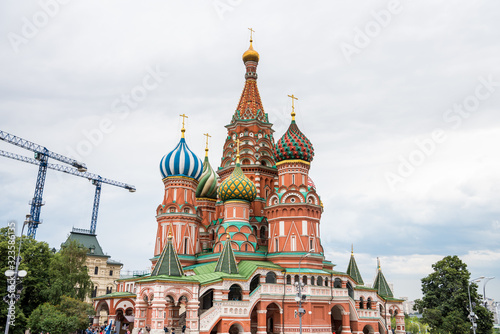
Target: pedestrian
165 329
140 331
183 328
173 330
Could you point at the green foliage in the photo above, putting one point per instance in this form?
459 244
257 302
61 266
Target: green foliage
69 316
50 277
445 304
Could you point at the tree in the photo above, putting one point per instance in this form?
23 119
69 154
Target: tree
445 302
67 317
50 277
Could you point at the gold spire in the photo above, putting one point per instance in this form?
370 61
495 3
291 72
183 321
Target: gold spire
352 249
206 148
170 231
378 264
237 150
227 236
183 129
293 106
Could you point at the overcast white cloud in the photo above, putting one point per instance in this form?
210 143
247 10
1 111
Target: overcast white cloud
73 74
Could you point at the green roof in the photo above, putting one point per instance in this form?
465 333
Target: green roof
353 271
168 263
227 260
88 241
122 294
381 285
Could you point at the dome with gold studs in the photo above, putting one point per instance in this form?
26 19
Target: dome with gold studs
250 54
237 186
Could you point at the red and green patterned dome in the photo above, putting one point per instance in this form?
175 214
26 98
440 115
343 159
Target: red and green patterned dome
293 145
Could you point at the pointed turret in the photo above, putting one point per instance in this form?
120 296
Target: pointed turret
168 263
381 284
227 261
250 105
207 186
353 271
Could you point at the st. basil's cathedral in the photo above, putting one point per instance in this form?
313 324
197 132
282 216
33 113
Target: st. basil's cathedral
239 250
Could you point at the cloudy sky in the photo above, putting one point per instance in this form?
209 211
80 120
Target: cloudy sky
398 98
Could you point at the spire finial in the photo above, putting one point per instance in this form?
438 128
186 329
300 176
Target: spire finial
227 236
378 264
293 106
170 231
352 249
183 129
251 32
238 150
206 148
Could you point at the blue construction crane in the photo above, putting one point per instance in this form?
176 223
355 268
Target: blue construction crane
41 158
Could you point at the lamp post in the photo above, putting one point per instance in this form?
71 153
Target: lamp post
472 316
15 278
299 298
486 280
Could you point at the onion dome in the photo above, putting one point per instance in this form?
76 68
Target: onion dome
293 145
250 54
181 161
207 188
237 186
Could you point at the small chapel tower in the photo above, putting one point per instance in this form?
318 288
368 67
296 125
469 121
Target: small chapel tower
180 170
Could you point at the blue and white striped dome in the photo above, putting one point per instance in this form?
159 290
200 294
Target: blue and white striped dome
181 162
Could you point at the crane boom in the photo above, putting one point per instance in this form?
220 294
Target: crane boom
26 144
41 161
68 170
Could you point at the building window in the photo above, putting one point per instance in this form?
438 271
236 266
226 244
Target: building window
293 179
235 292
94 292
319 281
282 227
337 283
185 245
111 273
186 210
326 281
276 244
270 277
369 303
294 244
304 279
311 242
288 279
96 270
312 280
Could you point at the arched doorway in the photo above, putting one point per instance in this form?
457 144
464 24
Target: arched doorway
103 313
206 301
254 283
236 329
368 329
273 318
253 321
235 292
336 319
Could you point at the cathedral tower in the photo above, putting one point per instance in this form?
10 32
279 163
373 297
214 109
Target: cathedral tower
293 209
180 170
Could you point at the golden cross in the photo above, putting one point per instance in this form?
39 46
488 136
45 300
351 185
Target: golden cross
206 148
293 106
183 129
251 31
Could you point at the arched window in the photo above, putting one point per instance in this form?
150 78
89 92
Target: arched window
255 282
350 290
337 283
263 233
361 303
270 277
369 303
319 281
96 270
296 279
326 281
312 280
304 279
235 292
288 279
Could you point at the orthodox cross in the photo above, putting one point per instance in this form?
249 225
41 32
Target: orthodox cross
183 129
251 31
293 106
206 148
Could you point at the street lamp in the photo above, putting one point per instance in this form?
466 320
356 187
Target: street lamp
486 280
299 298
15 279
472 316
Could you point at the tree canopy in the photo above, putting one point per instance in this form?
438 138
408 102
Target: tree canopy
50 277
445 302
